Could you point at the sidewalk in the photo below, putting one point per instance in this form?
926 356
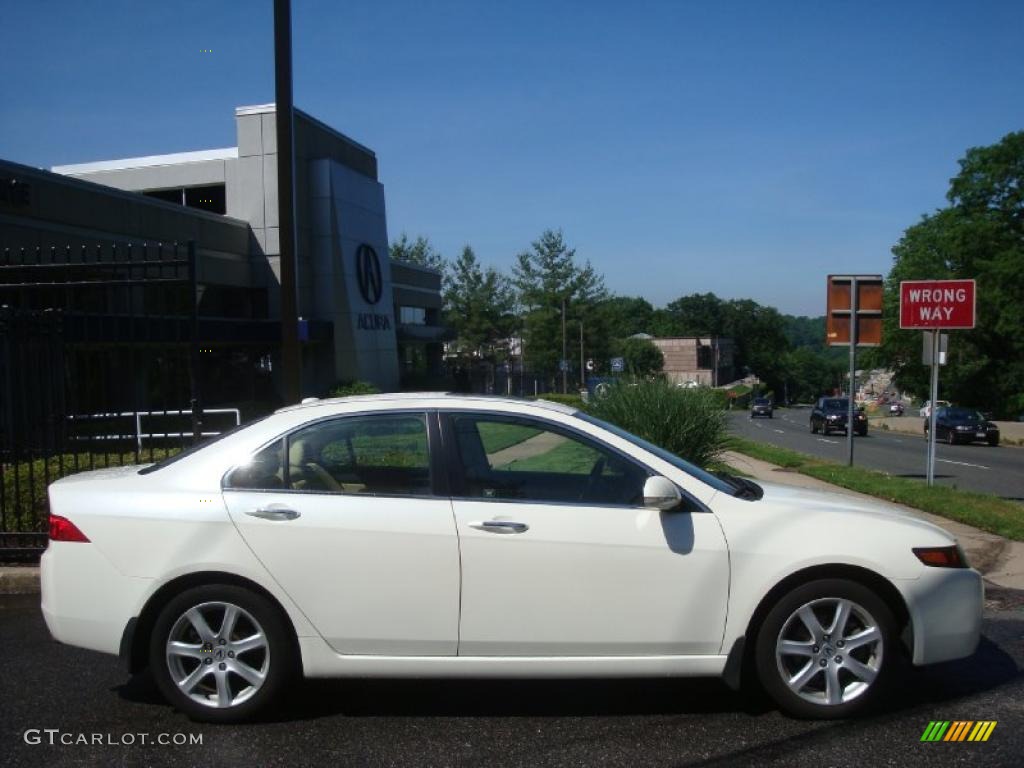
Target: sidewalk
1000 560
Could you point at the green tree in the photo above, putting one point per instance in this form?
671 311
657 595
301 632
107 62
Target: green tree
548 277
418 251
980 235
641 357
479 307
627 315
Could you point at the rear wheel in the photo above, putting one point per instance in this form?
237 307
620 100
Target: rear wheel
220 653
827 649
993 441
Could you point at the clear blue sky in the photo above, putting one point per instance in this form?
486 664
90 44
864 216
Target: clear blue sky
744 148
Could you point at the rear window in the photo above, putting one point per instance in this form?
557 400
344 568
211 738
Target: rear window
195 448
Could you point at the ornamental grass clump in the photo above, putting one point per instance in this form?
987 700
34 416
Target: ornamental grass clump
689 422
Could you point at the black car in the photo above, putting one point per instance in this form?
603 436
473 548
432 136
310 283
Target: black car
830 413
761 406
963 425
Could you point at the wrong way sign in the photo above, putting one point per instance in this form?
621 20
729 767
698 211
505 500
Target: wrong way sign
930 304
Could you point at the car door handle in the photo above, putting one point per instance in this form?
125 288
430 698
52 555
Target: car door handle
500 526
274 512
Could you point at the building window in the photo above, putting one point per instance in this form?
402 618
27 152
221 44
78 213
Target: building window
412 316
211 197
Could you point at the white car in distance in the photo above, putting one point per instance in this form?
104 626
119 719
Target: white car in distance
453 536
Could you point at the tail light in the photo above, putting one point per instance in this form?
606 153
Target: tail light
62 529
941 557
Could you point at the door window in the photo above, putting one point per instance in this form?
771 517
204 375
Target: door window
528 460
382 454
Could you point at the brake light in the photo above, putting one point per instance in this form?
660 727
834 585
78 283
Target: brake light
941 557
62 529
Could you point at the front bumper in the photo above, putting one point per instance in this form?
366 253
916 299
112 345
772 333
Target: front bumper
945 607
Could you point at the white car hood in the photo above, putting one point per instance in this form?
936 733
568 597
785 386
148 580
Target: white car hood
795 499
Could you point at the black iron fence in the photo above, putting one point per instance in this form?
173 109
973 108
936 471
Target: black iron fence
93 340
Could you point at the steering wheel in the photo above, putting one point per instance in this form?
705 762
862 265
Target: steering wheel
595 473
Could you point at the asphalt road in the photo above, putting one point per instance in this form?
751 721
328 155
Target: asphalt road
976 467
500 723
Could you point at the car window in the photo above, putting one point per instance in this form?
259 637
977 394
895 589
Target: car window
528 460
381 454
835 404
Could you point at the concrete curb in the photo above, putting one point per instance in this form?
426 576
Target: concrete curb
19 580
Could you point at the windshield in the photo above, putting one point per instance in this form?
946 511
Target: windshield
762 401
836 404
962 414
693 470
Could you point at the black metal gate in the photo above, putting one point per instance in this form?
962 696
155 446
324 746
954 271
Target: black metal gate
91 339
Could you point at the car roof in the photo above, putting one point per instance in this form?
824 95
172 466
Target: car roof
411 398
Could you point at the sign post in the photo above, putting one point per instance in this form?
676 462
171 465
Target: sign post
853 318
936 305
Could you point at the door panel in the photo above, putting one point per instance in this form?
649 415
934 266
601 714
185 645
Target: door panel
571 565
341 513
373 575
591 581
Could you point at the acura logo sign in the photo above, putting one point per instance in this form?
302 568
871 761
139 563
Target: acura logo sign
368 273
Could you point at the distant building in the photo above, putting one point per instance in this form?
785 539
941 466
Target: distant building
708 361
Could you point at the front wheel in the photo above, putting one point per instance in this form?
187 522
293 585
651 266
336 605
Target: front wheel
827 649
220 653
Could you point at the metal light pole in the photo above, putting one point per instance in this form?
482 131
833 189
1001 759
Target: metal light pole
564 363
291 356
853 370
583 381
936 341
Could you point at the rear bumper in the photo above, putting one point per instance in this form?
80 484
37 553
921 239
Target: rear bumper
945 607
86 602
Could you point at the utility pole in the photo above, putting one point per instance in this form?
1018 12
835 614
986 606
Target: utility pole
851 407
291 355
564 363
583 374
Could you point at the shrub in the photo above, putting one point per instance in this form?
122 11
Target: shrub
687 421
353 387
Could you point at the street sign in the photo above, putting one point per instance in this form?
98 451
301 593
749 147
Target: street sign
590 364
853 318
937 304
839 307
618 364
563 365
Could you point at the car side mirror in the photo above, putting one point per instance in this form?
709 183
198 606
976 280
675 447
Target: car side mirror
661 493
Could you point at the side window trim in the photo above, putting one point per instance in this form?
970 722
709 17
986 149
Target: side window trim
457 470
432 434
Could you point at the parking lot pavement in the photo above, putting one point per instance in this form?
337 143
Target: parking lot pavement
497 723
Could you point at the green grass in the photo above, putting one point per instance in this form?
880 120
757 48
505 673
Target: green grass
984 511
497 436
569 457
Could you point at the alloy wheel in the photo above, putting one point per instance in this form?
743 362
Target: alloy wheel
217 654
829 651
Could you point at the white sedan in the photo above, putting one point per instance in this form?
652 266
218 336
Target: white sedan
446 536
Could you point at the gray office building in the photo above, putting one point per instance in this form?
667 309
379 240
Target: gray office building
363 315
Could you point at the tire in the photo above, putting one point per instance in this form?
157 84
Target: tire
814 429
993 441
252 677
852 679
